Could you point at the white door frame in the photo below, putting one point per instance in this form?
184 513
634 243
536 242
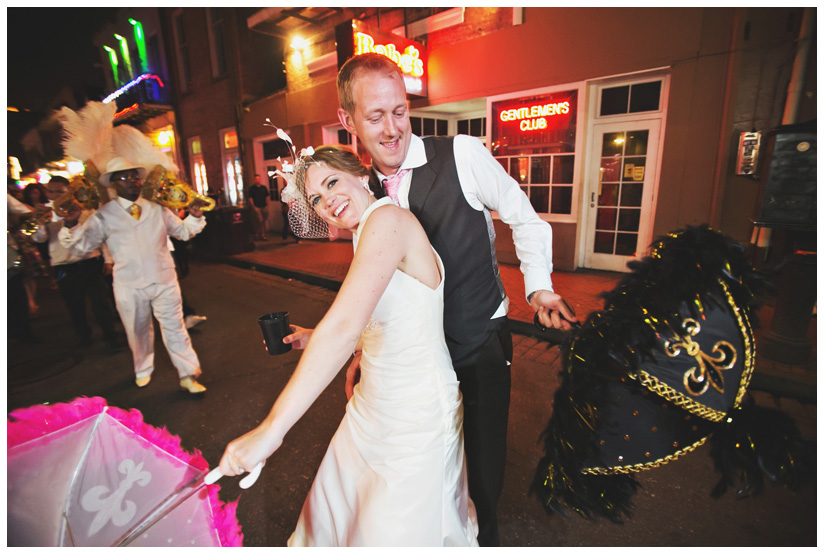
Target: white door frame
592 156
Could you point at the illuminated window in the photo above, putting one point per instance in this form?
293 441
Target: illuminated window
232 168
198 166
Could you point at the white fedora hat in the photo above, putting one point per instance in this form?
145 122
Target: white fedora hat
120 164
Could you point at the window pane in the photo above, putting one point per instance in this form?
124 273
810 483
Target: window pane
518 169
645 96
632 194
441 127
463 127
275 148
609 195
505 163
540 199
626 244
562 200
344 137
606 218
428 126
475 127
415 126
612 144
629 219
540 171
603 243
614 100
636 143
563 169
610 169
634 169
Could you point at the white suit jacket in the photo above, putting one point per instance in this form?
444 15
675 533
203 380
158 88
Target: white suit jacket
139 248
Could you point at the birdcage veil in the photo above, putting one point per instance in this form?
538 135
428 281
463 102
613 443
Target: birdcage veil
303 219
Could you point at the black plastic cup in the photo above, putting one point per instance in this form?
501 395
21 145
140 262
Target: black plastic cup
275 326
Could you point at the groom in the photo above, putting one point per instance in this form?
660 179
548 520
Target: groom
452 185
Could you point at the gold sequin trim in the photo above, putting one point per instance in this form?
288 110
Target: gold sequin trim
692 406
643 466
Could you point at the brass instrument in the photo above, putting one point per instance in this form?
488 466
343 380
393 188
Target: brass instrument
80 191
162 187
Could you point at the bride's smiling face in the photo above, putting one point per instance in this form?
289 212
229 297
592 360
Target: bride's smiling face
339 197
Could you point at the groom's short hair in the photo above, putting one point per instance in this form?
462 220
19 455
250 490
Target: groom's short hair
369 62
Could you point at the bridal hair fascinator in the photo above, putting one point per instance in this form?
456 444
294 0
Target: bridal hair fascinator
303 219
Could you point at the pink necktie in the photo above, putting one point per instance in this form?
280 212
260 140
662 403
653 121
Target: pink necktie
391 184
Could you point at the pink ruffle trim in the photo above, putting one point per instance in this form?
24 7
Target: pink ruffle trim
30 423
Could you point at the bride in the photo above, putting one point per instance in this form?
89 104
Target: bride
394 472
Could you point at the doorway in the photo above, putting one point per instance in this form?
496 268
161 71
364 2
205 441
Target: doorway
620 191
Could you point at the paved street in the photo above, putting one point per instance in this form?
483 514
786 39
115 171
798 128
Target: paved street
673 508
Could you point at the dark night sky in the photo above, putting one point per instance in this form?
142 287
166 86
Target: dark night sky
49 48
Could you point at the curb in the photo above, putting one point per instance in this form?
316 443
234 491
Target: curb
774 385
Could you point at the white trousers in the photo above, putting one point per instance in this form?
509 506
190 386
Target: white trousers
136 307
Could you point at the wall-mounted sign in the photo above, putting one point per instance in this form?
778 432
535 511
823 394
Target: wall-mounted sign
538 124
355 37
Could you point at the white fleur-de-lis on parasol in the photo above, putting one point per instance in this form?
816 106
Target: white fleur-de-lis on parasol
113 508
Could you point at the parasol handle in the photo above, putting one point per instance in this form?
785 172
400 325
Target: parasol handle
245 482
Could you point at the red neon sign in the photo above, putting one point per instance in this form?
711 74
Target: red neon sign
410 56
409 61
532 118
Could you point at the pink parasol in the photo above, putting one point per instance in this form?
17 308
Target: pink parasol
87 474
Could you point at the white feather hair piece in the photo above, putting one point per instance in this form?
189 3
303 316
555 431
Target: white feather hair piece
88 132
136 147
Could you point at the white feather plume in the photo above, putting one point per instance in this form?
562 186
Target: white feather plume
88 132
136 147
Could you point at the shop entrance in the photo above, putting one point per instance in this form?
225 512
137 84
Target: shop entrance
620 191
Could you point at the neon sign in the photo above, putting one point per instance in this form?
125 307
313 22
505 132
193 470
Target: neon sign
131 84
534 117
354 38
409 61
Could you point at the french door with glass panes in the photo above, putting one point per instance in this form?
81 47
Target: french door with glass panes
620 192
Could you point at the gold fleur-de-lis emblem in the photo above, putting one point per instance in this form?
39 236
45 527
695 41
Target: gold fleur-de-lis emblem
708 371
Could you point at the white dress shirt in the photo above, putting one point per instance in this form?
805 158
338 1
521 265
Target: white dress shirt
139 248
486 186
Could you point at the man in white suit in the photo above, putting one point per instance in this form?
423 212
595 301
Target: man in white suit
145 283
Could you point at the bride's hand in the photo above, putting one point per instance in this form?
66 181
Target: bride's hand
244 453
299 337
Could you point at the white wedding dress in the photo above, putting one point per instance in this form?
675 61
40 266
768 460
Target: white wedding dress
394 472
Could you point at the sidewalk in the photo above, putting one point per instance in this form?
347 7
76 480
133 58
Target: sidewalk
325 263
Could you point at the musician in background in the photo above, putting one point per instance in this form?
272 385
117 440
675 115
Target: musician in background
136 231
17 311
78 277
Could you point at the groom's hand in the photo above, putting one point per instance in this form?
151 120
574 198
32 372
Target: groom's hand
553 311
353 374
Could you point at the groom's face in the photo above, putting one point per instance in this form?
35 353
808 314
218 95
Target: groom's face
380 119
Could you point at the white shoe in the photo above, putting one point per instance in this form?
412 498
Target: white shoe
191 385
193 320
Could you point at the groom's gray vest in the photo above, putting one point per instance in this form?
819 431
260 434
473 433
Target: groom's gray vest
465 240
